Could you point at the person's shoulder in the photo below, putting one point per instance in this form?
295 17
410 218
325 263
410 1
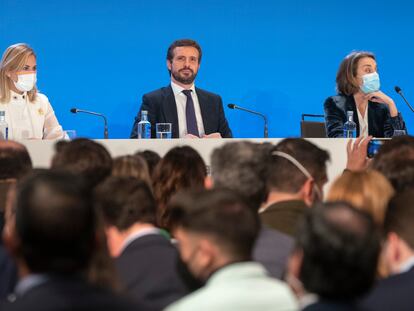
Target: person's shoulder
338 101
40 97
207 93
158 92
191 301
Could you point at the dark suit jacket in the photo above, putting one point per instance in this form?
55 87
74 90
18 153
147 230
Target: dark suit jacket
393 293
380 122
70 295
8 273
333 306
284 216
162 108
148 271
272 250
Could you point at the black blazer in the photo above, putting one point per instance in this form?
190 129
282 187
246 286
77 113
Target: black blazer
147 269
8 273
162 108
393 293
380 123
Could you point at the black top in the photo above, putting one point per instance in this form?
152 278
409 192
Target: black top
380 122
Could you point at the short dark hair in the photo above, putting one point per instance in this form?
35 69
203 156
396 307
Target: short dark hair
399 217
220 214
55 222
340 246
85 157
285 176
180 43
395 160
346 81
241 167
125 201
151 157
15 161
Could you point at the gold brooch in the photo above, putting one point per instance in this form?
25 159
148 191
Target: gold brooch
41 112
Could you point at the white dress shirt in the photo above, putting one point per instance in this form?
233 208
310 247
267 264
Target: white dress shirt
363 123
181 102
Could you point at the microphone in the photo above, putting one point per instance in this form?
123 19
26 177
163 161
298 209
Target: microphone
266 133
399 91
76 110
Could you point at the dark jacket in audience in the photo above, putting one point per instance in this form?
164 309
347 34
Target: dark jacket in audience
333 306
8 273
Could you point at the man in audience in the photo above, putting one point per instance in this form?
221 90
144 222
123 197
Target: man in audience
396 291
335 257
241 167
297 174
216 231
84 157
146 260
51 230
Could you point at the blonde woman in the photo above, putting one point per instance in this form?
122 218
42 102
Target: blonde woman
28 113
368 190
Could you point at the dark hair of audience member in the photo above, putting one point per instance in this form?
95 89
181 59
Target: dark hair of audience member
242 167
151 157
285 176
85 157
220 214
395 160
124 201
15 161
340 246
131 166
182 168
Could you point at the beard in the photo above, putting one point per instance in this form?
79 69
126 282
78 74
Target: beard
184 79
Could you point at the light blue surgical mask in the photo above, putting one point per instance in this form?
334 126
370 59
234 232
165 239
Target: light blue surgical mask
370 83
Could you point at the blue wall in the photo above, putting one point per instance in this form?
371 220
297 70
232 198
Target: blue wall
278 57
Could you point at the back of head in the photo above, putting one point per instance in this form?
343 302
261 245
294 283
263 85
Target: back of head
367 190
84 157
399 217
55 223
395 160
284 176
220 215
125 201
131 166
151 157
15 160
241 167
340 248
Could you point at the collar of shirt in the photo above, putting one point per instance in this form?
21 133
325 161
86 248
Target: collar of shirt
16 96
30 282
138 234
177 89
407 265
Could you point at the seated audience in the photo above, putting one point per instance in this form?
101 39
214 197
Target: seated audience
335 258
182 168
131 166
51 230
151 157
396 291
216 231
297 174
241 167
145 259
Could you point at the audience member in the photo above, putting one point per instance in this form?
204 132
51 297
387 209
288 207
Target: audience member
335 258
241 167
297 174
216 231
146 260
131 166
151 157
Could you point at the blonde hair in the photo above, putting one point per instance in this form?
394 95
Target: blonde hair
132 166
14 59
369 191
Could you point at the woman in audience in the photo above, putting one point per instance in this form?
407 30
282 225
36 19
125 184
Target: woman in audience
358 86
367 190
182 168
28 113
131 166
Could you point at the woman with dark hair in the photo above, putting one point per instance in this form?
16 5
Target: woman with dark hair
182 168
358 87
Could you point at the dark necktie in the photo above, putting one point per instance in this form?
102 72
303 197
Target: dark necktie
190 114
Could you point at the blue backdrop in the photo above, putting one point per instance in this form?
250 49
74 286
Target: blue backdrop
277 57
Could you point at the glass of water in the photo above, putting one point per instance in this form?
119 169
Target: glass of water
163 130
399 133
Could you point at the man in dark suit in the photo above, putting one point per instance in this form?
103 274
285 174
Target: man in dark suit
192 112
146 261
396 291
241 167
51 230
335 259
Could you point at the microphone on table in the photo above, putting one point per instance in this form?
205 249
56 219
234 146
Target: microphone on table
399 91
76 110
266 133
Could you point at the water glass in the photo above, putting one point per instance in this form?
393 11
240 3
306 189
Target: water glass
163 130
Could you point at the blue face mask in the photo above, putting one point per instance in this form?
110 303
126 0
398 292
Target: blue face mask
370 83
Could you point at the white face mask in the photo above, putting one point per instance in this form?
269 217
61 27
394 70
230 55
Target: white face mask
25 82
